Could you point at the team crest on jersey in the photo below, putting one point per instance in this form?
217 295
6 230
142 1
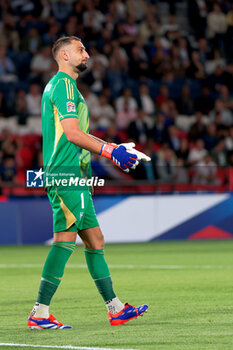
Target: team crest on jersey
70 106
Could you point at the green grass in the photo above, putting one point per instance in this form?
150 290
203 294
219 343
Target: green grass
190 308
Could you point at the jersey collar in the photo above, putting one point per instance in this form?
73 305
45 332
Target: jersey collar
64 75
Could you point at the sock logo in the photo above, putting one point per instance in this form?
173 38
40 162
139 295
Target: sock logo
34 308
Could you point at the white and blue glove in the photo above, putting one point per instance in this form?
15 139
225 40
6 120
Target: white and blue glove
119 156
130 147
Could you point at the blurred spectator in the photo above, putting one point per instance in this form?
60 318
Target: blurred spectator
229 140
138 129
210 138
71 26
204 51
61 10
215 62
205 102
7 68
225 97
145 101
219 154
219 77
121 37
137 9
53 70
9 37
173 138
120 56
52 34
197 11
33 99
206 172
8 171
159 131
8 146
104 113
185 102
138 67
180 173
183 151
183 51
126 98
95 78
195 69
32 42
177 66
24 156
170 27
96 57
217 26
118 9
41 65
131 27
147 170
93 18
112 134
115 78
170 111
20 107
197 153
163 95
220 127
226 115
149 27
125 117
25 8
159 61
166 165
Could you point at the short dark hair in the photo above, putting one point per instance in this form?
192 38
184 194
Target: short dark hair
64 40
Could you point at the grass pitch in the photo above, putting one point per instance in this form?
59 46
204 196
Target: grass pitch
187 285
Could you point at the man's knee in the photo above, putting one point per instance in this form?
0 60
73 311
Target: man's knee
64 236
92 238
100 242
97 242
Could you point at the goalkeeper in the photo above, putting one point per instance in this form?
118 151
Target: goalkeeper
66 143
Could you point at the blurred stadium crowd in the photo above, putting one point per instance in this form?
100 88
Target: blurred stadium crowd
160 74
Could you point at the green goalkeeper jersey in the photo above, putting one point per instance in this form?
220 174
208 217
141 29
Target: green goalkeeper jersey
61 99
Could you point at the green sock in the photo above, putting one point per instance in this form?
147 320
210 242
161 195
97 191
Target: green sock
53 270
99 271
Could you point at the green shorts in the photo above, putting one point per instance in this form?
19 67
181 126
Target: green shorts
73 211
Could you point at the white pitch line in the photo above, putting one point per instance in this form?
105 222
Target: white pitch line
58 347
129 267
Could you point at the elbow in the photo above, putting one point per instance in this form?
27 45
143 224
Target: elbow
70 137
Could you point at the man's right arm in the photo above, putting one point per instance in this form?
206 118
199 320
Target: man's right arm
65 107
75 135
117 154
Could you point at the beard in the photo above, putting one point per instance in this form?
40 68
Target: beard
81 67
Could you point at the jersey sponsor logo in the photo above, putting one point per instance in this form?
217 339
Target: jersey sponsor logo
70 106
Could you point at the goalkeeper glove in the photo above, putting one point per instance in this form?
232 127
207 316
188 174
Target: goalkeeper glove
130 148
119 156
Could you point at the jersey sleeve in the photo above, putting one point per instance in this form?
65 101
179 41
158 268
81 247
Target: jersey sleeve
64 99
